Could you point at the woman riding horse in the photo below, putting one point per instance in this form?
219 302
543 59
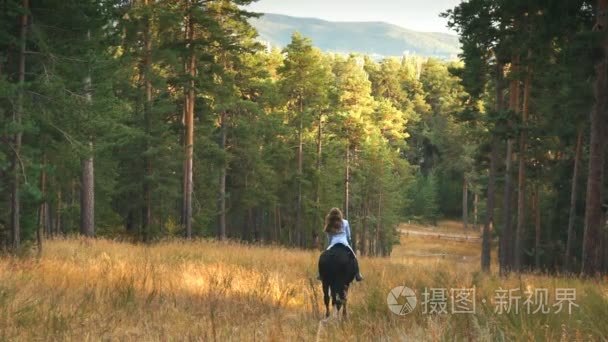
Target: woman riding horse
338 265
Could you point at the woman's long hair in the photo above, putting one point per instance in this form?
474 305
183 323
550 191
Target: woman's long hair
333 221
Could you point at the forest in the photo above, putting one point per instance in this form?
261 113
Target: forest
146 120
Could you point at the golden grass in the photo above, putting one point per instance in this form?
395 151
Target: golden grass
420 246
444 226
86 290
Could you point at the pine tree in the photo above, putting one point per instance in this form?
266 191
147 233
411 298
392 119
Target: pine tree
17 163
304 86
591 262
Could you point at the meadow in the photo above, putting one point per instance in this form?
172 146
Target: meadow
89 290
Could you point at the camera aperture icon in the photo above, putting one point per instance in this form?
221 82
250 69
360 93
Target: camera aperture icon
401 300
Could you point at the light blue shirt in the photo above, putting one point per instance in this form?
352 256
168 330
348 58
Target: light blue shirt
342 236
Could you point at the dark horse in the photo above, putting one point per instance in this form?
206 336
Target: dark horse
337 270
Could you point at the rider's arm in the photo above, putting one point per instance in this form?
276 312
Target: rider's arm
347 230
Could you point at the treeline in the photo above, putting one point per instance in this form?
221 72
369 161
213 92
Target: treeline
539 68
167 118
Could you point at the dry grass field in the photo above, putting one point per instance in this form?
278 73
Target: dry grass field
81 290
445 227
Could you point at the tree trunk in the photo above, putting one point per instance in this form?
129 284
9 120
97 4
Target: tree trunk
299 158
256 231
363 238
603 241
48 219
603 253
58 229
318 187
223 170
510 234
507 234
70 224
185 161
17 118
537 226
316 242
275 224
489 223
465 203
521 178
147 82
87 195
379 225
604 246
593 210
279 224
249 233
347 182
475 210
42 210
189 141
573 193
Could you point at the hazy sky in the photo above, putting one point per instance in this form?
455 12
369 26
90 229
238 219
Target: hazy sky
420 15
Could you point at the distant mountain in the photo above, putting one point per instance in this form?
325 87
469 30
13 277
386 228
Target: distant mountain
372 38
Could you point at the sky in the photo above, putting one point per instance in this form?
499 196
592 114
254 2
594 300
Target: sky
419 15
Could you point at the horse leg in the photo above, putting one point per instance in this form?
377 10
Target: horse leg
344 294
335 300
326 297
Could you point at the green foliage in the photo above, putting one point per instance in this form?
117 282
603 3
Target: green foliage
424 196
549 46
396 119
